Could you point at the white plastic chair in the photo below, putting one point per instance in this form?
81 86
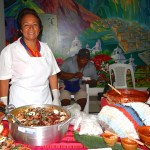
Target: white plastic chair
86 109
120 74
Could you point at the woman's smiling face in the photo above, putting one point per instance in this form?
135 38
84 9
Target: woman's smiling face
30 27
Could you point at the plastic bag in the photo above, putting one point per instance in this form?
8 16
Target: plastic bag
75 111
88 125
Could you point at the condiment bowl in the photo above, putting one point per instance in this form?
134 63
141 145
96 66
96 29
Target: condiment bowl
110 138
144 134
128 144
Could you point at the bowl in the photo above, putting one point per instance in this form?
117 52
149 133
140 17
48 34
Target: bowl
127 95
110 138
128 144
144 134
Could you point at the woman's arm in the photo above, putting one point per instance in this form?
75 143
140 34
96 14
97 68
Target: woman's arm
53 80
4 87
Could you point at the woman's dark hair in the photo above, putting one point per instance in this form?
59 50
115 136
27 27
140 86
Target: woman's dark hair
27 11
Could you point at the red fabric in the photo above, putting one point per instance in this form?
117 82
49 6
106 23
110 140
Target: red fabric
103 102
68 142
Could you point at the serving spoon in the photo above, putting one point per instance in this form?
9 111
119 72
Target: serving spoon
14 118
114 89
8 113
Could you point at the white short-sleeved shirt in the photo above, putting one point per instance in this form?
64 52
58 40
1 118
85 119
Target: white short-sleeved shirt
70 66
29 75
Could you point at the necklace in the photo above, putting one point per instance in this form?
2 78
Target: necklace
32 52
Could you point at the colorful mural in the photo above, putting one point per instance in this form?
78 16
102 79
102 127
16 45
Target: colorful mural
114 32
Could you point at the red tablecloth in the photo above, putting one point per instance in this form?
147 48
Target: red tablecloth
68 142
103 102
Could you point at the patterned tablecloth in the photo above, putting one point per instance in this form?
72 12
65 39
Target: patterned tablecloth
67 142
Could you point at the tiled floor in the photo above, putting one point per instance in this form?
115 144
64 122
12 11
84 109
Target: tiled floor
94 104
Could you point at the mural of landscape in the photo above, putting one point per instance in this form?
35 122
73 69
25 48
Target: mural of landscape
115 31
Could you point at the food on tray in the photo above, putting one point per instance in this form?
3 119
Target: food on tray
2 109
9 144
41 116
127 95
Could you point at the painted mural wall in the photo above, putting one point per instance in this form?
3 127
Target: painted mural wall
115 31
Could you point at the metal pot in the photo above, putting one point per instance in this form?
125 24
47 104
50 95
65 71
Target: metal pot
39 135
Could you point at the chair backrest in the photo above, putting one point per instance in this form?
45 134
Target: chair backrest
86 109
120 75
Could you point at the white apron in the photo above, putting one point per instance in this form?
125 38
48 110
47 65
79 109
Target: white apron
33 86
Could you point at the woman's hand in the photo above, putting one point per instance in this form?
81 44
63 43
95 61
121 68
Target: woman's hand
56 100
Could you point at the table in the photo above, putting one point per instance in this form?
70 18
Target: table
67 142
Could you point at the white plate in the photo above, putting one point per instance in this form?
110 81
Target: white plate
86 78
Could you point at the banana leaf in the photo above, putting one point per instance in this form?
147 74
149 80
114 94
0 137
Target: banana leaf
93 142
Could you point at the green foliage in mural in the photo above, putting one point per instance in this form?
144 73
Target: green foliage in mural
137 10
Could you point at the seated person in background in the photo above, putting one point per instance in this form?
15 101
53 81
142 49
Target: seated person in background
74 71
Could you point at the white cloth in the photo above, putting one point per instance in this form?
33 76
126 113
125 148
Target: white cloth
29 75
148 101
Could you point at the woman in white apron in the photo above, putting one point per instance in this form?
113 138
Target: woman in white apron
29 65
